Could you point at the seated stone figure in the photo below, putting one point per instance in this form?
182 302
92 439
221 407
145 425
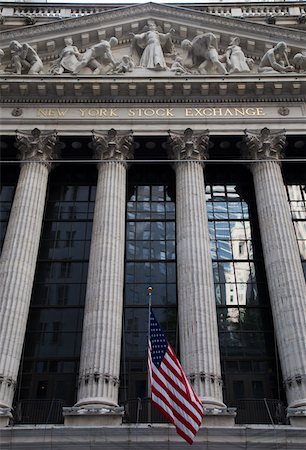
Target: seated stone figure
276 60
24 56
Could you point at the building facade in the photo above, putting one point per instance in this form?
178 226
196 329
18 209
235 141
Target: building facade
163 146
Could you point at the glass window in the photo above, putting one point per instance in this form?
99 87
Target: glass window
150 261
54 331
244 317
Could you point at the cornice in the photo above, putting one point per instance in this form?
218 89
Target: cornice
115 89
159 12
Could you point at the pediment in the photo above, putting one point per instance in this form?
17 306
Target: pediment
48 39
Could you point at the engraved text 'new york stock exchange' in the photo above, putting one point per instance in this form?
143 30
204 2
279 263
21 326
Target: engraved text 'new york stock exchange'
134 113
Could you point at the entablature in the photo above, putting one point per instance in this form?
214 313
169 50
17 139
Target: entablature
154 119
154 89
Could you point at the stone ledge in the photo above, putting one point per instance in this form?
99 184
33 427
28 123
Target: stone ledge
92 416
297 416
5 416
151 437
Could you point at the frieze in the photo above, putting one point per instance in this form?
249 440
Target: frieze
150 112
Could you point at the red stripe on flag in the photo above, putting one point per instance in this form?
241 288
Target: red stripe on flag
172 393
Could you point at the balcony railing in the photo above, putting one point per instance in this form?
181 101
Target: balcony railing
260 411
249 411
39 411
140 410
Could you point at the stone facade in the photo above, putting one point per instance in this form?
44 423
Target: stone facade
154 71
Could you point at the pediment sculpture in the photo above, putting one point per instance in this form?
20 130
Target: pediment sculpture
24 56
276 60
150 46
153 50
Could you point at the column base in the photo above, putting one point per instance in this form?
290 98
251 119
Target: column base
94 416
297 416
5 416
219 417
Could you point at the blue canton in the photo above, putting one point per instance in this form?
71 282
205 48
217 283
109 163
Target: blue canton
158 340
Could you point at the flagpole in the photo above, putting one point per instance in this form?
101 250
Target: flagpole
149 290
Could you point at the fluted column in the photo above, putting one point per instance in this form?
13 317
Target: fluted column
19 254
199 344
102 330
282 260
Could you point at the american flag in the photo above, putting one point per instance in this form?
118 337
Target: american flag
171 392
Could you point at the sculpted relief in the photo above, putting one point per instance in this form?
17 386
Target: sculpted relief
151 49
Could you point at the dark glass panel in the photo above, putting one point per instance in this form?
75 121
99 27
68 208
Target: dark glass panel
54 330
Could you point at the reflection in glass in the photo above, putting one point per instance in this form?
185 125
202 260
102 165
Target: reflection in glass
54 332
244 319
150 261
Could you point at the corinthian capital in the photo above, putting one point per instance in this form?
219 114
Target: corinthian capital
188 145
264 144
112 146
36 145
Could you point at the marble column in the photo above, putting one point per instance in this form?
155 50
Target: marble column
199 344
282 261
102 330
19 254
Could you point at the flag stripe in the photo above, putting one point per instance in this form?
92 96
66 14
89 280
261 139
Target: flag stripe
178 430
178 413
171 392
177 398
173 419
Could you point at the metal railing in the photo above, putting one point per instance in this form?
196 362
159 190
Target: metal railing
141 410
34 411
249 411
260 411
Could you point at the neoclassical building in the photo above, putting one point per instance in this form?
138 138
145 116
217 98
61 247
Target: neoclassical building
152 145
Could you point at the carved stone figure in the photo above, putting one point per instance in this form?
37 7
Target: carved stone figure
126 65
68 59
113 146
235 59
203 52
99 52
177 66
24 56
151 46
36 145
276 60
264 144
299 62
188 145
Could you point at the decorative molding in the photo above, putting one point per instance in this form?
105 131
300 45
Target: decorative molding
98 377
189 145
37 146
264 144
297 379
10 382
206 377
125 89
113 146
